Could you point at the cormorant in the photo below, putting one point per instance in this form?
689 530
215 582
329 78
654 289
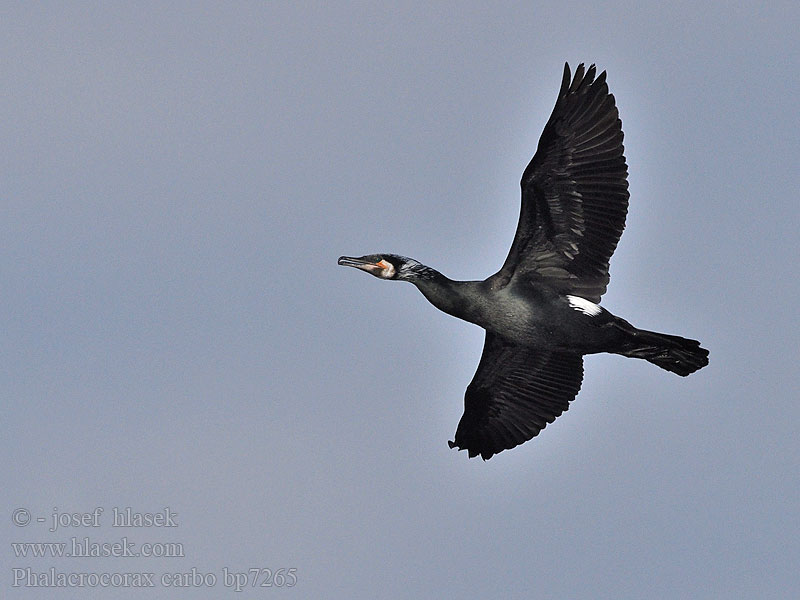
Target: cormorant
540 310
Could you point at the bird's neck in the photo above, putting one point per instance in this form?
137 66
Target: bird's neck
456 298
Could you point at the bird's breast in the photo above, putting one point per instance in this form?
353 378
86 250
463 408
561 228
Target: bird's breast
522 321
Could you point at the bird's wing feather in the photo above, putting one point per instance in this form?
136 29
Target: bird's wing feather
514 394
574 192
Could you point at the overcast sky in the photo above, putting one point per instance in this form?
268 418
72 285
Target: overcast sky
177 181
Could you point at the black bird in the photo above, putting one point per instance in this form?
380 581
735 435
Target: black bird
540 310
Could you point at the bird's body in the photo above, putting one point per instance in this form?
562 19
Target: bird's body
541 310
522 312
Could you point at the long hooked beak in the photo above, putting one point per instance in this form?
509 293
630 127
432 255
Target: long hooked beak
380 269
358 263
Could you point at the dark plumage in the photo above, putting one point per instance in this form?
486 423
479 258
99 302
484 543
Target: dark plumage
540 309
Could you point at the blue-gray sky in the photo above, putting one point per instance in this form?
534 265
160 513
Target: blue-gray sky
176 183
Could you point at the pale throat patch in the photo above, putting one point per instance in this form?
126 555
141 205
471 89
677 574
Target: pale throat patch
388 269
584 305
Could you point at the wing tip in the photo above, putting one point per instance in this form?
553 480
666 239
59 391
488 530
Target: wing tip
583 77
471 452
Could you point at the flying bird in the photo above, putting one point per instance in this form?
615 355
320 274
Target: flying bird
541 310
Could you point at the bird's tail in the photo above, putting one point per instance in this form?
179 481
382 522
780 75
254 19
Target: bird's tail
671 352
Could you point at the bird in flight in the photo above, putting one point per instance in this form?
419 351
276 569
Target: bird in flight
541 310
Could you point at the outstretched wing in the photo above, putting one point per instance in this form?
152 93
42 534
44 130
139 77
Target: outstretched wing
515 393
574 192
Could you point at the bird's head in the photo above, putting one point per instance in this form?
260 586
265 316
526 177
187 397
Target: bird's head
386 266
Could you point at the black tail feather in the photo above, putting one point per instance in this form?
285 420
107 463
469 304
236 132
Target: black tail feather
671 352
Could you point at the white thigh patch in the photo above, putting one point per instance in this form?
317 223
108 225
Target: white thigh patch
583 305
